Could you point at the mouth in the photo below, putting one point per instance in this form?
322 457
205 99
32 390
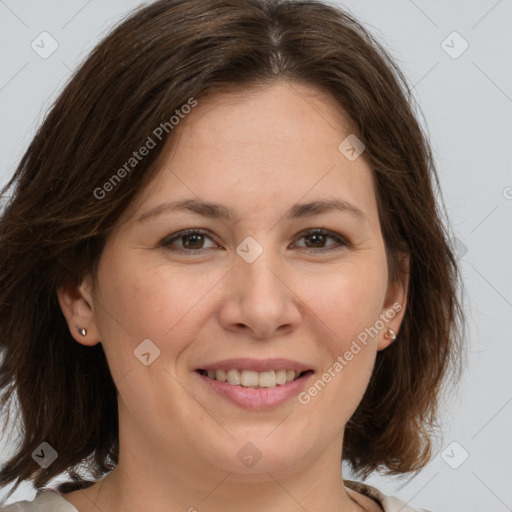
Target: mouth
254 379
254 384
255 390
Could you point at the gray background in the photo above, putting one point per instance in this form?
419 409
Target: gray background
467 104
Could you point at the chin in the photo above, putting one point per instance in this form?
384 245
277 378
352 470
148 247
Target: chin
253 457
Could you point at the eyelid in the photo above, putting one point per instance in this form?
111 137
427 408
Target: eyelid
341 240
166 242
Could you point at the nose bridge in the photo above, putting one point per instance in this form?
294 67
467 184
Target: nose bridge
257 262
264 300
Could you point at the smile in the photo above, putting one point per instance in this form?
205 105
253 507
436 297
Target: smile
254 379
253 397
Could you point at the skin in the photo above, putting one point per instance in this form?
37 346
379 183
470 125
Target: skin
258 154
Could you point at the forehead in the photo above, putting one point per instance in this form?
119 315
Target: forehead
278 144
281 113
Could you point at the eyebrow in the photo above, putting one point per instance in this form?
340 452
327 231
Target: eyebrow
218 211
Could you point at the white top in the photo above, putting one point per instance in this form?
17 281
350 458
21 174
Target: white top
50 500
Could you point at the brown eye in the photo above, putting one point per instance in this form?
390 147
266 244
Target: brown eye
191 241
317 239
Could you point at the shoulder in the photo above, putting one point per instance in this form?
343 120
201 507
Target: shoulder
388 503
46 500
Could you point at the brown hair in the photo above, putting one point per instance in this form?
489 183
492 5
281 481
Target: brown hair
53 228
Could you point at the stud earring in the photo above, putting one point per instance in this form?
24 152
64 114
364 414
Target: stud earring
82 331
390 335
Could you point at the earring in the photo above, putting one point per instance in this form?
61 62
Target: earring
390 335
82 331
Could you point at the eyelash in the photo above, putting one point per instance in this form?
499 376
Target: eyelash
316 231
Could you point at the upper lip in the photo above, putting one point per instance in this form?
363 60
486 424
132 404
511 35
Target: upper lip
257 365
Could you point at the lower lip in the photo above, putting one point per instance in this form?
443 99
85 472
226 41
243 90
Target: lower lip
257 399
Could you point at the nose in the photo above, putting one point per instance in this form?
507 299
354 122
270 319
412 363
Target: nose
260 299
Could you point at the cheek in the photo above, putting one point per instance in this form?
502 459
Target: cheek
343 317
142 300
347 302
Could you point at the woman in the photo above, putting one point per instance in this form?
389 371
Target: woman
224 271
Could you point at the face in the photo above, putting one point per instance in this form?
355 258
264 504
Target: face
259 283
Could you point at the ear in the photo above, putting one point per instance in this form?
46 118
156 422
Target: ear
77 305
395 303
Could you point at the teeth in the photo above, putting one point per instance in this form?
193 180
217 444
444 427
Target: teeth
219 375
281 377
267 379
251 379
234 377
